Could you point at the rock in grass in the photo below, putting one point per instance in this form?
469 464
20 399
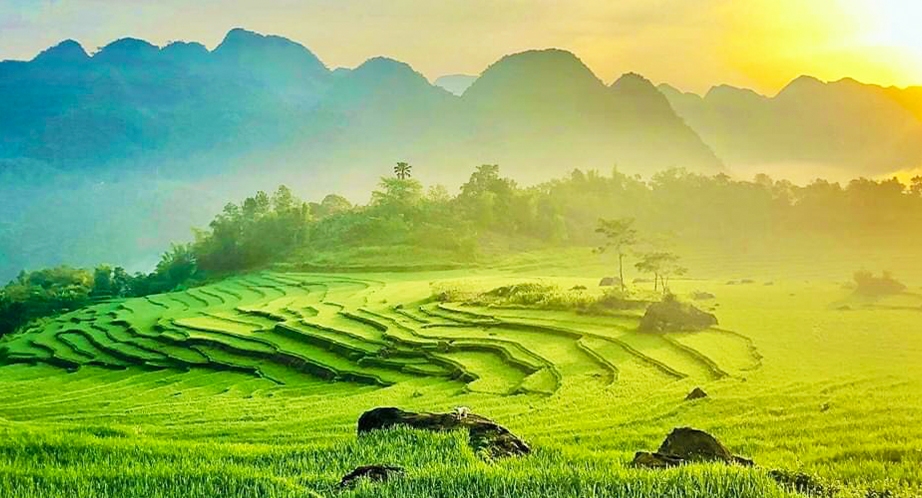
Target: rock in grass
374 473
685 445
609 282
484 434
671 314
697 393
696 446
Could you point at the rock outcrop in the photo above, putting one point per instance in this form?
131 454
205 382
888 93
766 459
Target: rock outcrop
686 445
672 315
485 435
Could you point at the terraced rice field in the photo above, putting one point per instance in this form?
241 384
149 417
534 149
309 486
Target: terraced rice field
269 372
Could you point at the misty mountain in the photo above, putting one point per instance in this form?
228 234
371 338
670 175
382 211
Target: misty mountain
844 126
546 104
133 100
266 95
455 83
164 136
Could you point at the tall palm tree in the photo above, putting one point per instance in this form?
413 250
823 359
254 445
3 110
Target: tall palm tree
402 170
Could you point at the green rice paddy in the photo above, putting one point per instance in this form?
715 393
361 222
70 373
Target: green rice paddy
252 386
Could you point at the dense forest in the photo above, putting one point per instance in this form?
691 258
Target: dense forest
404 221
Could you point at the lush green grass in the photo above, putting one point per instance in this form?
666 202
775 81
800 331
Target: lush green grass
252 387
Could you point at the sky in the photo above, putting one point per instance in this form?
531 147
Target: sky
691 44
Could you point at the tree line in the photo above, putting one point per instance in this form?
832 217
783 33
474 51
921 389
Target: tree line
491 212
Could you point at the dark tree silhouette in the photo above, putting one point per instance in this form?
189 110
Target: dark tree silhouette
402 170
915 186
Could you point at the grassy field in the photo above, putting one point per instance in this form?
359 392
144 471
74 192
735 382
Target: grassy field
252 387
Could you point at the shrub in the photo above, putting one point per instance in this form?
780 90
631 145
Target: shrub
616 299
869 285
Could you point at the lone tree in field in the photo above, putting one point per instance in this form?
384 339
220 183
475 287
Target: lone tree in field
619 236
662 265
402 170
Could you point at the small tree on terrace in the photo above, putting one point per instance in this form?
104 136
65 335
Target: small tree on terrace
620 235
663 265
402 170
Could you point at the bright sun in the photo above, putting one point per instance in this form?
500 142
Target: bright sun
898 25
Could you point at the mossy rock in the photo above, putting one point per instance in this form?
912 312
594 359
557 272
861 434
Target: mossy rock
485 435
672 315
687 445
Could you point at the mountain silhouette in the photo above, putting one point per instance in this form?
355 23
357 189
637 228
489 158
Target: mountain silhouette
548 104
456 84
810 125
134 101
66 52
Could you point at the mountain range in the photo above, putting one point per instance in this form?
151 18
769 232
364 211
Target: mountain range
811 126
134 143
538 111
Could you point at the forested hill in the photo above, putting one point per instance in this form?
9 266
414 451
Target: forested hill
407 226
135 101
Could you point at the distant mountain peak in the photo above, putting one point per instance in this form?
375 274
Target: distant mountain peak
238 38
380 75
806 79
186 51
380 71
802 83
552 59
732 94
127 50
249 47
634 82
455 83
636 85
635 93
537 75
384 64
66 51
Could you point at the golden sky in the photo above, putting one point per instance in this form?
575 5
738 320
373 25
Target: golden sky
692 44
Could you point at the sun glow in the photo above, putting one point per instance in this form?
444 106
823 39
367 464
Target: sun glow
897 25
889 33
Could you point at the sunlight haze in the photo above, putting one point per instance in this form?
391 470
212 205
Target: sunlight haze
692 45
